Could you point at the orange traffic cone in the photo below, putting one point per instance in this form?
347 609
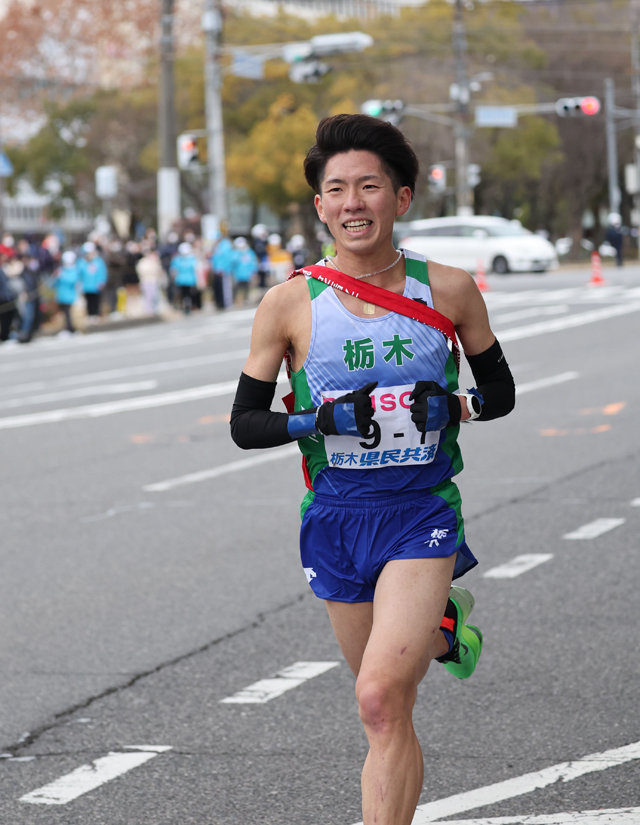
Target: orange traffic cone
596 270
481 281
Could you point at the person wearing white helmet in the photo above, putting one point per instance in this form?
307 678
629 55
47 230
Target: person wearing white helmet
615 236
298 250
93 276
66 282
183 271
280 261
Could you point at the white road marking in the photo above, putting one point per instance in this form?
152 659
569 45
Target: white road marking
142 402
568 322
105 408
529 312
287 679
607 816
79 392
224 469
160 366
594 528
89 777
125 372
527 783
635 502
78 349
543 383
517 566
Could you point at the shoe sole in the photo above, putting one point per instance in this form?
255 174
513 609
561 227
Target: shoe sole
463 601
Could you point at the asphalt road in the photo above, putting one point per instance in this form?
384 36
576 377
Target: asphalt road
149 571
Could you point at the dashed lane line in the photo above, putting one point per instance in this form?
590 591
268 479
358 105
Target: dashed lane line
89 777
290 677
594 529
517 566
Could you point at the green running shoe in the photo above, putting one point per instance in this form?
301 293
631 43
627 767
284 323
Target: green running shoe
463 657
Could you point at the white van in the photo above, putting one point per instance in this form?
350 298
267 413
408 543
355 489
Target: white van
497 244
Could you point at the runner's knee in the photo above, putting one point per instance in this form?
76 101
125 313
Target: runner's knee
384 702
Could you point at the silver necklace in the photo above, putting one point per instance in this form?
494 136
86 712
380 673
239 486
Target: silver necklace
367 307
369 274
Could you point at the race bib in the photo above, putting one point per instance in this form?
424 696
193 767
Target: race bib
395 441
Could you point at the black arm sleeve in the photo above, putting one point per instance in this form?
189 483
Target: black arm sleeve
253 425
494 381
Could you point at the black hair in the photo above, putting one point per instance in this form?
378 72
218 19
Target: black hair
341 133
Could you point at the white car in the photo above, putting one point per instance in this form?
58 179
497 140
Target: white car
497 244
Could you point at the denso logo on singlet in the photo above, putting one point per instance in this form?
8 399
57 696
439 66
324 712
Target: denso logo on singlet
382 402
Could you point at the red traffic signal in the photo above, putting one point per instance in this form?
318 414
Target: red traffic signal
437 177
590 105
188 154
572 106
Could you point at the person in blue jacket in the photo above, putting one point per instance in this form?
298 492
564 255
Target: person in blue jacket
93 276
184 271
244 268
66 282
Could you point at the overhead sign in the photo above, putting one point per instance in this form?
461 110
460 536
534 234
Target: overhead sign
6 167
247 65
505 117
106 179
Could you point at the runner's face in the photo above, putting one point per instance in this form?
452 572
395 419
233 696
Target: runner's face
358 204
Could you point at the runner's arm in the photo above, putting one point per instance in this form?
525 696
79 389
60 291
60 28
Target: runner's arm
253 423
457 296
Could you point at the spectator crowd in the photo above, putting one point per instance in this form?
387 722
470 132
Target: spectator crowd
47 286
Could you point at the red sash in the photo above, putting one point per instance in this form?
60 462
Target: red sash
384 298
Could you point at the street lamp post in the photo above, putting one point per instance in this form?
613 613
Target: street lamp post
168 178
212 28
461 95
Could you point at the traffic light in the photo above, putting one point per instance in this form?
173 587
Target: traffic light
577 106
437 178
473 174
389 110
308 71
188 153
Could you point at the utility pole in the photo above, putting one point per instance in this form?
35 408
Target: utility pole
168 179
612 149
212 28
635 68
461 96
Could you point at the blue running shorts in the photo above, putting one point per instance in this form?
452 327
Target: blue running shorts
345 543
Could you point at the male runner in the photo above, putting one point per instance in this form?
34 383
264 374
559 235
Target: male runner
376 416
